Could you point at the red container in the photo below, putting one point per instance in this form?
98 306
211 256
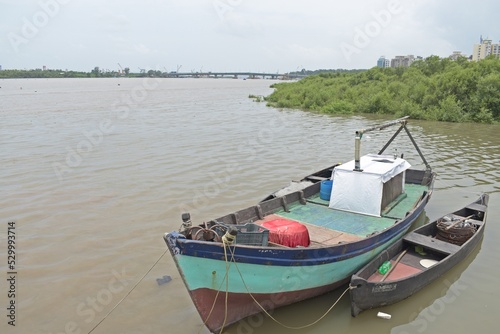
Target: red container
287 233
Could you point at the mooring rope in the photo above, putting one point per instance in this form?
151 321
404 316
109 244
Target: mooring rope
226 241
128 293
260 306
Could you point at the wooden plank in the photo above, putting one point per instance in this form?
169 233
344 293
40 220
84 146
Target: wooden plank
431 243
324 236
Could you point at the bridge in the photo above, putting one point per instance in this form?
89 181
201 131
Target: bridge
235 75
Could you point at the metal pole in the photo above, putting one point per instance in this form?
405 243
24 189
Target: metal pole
357 152
384 125
392 138
359 134
428 167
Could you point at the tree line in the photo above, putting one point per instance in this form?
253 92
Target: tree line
96 72
432 89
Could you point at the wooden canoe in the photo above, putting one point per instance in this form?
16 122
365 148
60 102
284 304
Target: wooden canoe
419 258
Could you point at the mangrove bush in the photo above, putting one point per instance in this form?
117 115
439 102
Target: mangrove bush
433 89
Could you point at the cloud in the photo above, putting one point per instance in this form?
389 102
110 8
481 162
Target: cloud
237 24
142 49
113 22
246 33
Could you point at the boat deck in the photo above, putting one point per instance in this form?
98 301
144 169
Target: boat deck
327 226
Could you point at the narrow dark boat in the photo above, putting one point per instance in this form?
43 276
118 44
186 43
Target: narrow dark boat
302 241
419 258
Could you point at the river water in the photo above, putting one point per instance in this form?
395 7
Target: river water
95 171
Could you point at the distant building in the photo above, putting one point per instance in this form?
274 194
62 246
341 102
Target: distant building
403 61
495 50
44 68
383 62
0 67
457 54
484 49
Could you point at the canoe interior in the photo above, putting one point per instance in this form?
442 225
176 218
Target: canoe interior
421 244
408 265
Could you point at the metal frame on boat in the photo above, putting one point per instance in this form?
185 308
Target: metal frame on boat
237 265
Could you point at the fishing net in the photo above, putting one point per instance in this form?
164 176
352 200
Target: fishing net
454 231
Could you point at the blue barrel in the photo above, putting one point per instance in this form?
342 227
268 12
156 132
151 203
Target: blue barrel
325 189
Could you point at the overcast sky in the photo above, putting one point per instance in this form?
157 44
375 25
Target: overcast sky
236 35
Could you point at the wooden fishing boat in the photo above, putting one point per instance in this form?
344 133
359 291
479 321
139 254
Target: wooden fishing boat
419 258
297 243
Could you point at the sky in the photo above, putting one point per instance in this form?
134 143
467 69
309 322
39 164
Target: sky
272 36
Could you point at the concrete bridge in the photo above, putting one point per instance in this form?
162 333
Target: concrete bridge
235 75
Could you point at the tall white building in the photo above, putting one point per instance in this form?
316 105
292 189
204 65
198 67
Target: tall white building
403 61
484 49
495 50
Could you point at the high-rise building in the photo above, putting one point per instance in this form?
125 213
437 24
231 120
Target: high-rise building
485 48
403 61
383 62
495 50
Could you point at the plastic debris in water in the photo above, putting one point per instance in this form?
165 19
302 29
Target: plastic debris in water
163 280
384 315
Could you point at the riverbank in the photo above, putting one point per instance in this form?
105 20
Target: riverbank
432 89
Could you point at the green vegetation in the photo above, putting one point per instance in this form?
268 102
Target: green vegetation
38 73
433 89
94 73
257 98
